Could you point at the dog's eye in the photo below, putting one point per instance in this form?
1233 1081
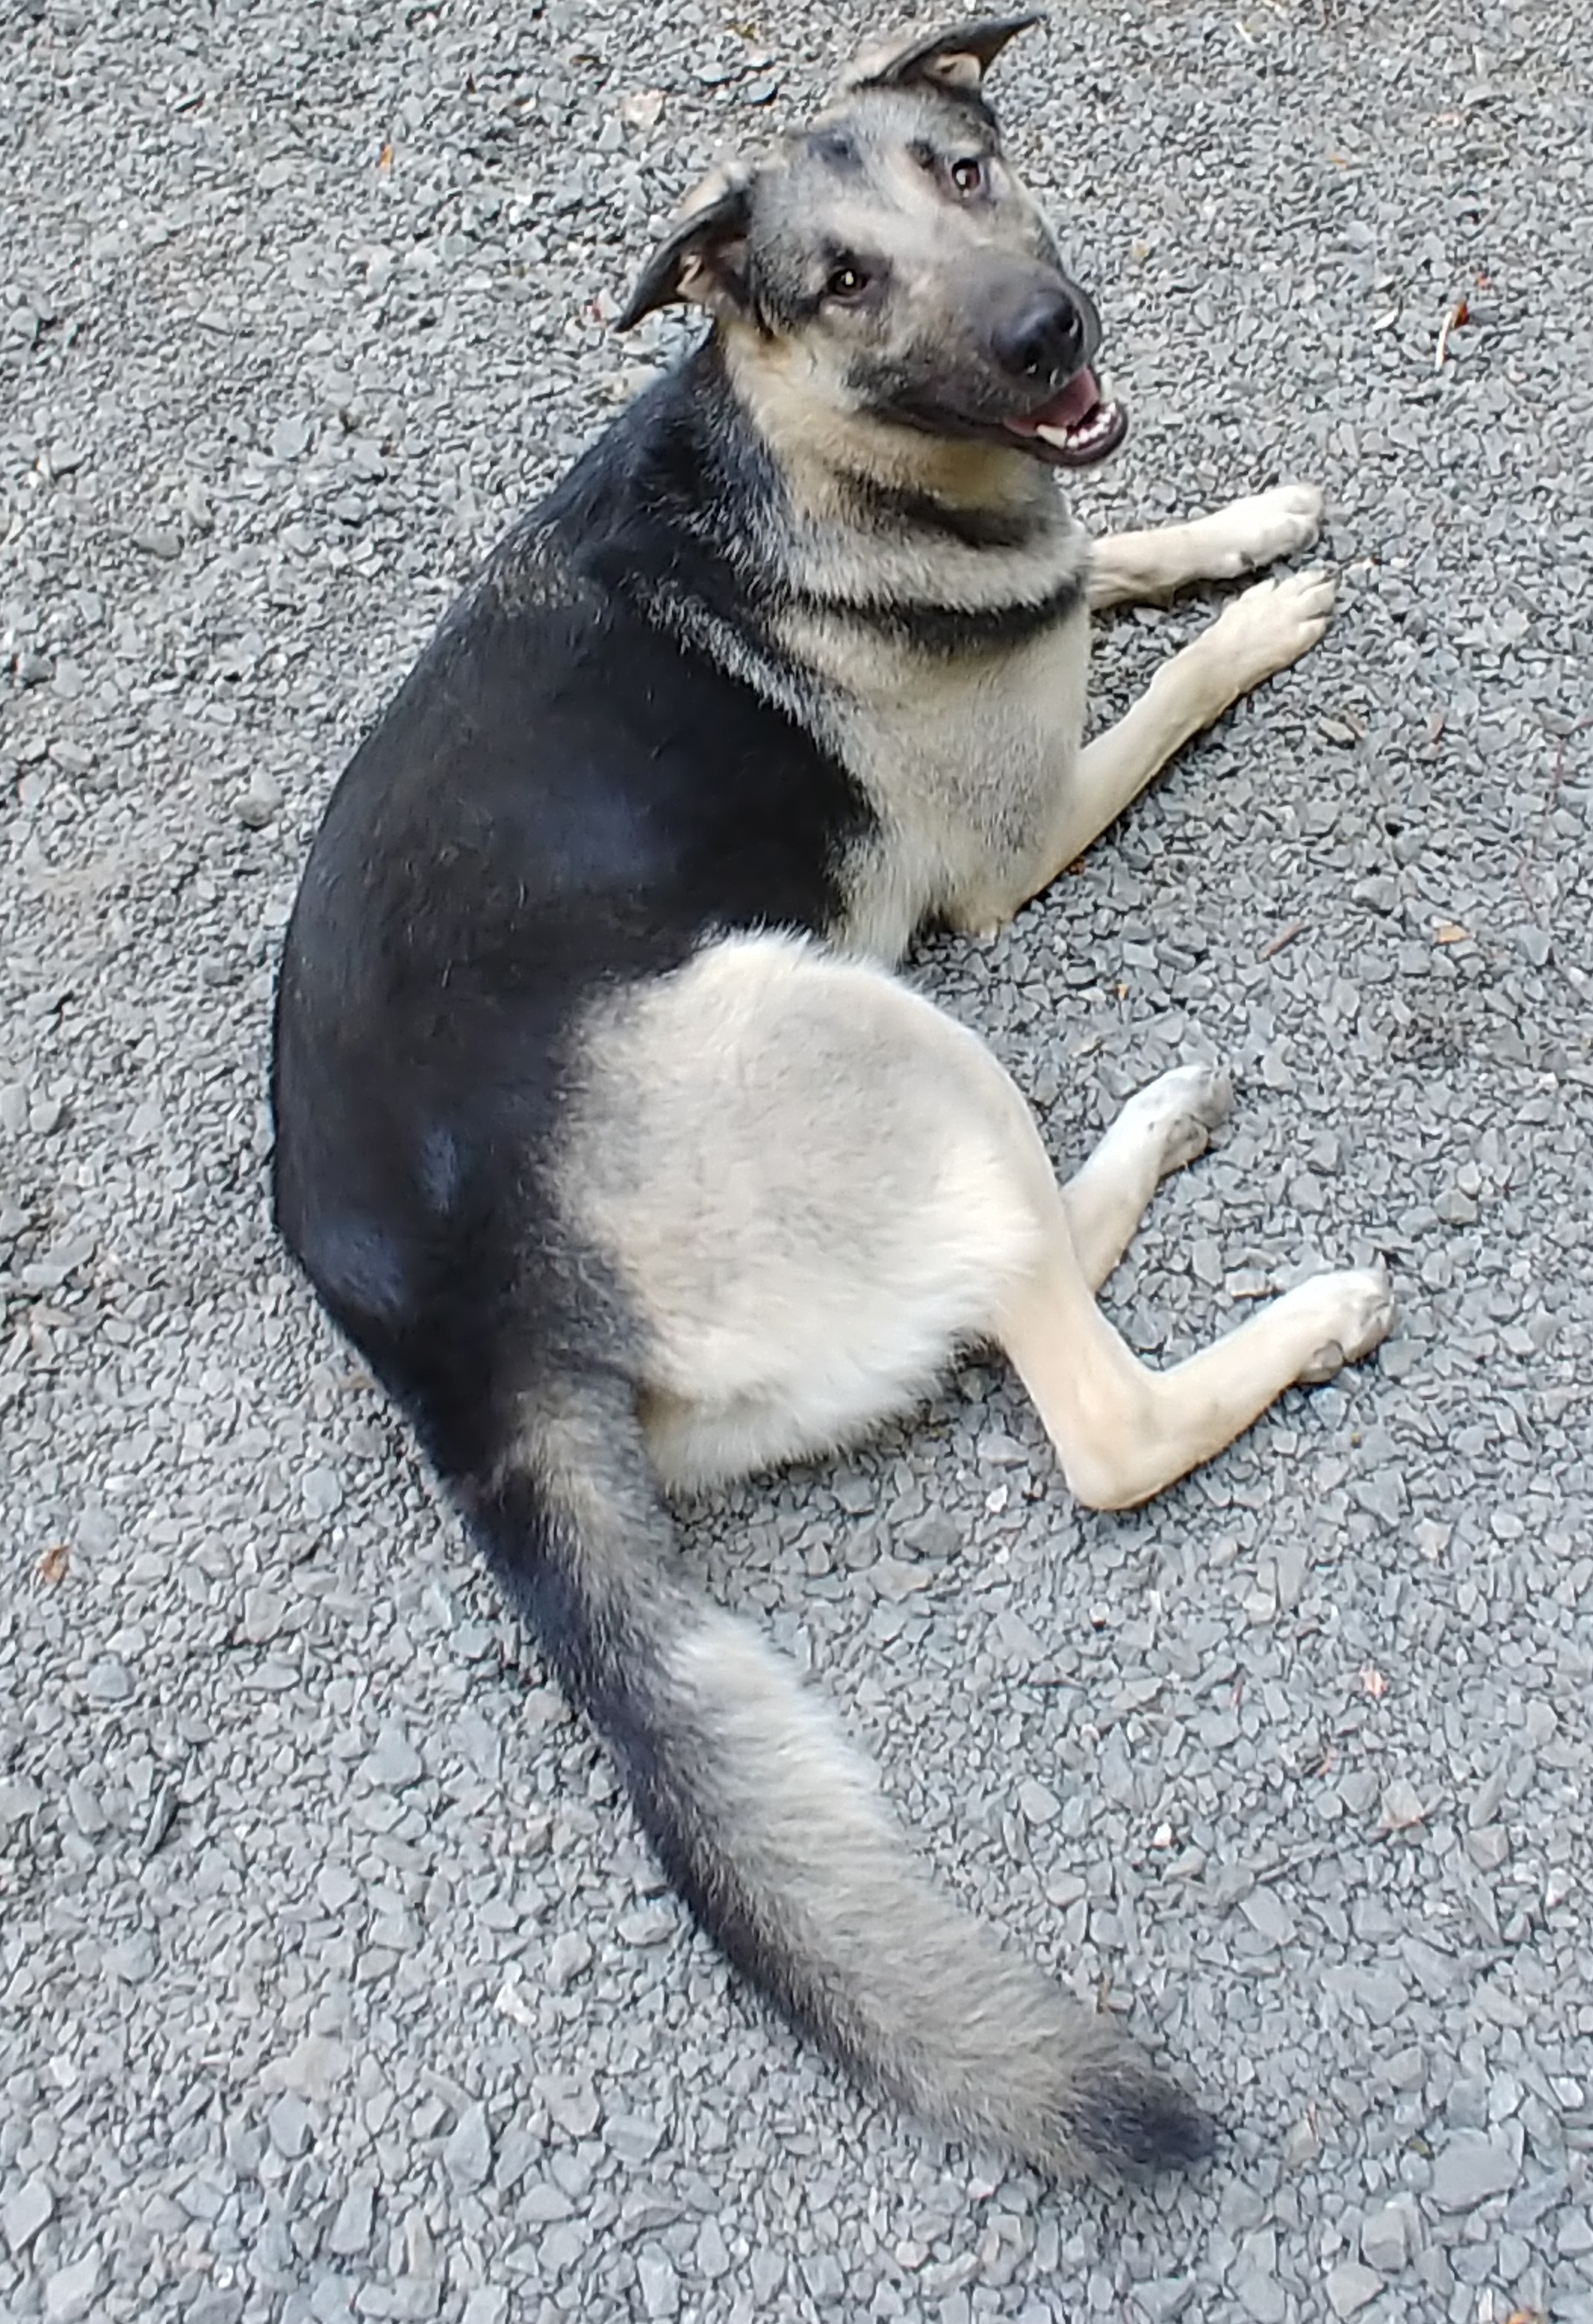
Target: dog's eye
847 281
968 176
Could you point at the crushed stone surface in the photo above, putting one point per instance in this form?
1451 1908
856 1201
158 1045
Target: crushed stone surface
335 1983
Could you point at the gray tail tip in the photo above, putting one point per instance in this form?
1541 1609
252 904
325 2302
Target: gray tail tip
1137 2126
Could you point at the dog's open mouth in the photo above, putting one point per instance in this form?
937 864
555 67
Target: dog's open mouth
1076 428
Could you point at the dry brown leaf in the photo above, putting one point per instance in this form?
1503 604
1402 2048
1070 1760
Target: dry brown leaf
1449 932
52 1566
1284 937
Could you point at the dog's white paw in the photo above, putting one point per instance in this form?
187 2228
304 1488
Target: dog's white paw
1263 526
1353 1311
1176 1114
1272 625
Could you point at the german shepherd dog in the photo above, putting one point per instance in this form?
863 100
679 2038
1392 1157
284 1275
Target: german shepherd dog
603 1129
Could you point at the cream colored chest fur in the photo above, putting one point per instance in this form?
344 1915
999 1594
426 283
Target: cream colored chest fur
967 763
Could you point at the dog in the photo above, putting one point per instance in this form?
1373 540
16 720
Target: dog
603 1129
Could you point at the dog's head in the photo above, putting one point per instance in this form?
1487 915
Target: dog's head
888 256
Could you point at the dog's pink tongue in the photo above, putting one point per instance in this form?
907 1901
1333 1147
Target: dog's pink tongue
1077 400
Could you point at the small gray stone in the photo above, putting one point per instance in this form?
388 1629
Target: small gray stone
259 805
541 2201
262 1614
631 2136
487 2304
1262 2296
1268 1916
215 2308
569 1954
1387 2239
1470 2169
290 437
335 1886
110 1681
420 2246
467 2155
71 2291
658 2282
290 2125
574 2108
1350 2286
649 1924
1401 1806
712 2255
27 2211
768 2273
350 2231
1488 1799
18 1801
1206 1258
321 1490
1488 1848
1161 2298
394 1763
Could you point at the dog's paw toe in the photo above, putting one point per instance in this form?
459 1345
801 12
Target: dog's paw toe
1308 596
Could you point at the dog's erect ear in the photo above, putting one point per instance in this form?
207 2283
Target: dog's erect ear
703 258
957 59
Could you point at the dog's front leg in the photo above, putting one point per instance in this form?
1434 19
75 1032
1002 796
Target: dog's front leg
1128 567
1266 630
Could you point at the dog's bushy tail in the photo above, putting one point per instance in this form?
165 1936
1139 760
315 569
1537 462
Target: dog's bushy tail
770 1826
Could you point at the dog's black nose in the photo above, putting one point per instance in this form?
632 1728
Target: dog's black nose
1042 340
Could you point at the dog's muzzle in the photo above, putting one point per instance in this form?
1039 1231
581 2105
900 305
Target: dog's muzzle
1046 340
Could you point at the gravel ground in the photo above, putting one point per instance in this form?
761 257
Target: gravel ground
335 1982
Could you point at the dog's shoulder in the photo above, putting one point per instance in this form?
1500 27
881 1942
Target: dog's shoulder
602 752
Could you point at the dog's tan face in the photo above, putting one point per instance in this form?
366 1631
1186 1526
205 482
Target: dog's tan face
890 257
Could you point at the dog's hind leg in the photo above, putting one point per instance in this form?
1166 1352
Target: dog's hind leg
813 1186
1123 1431
1264 631
1130 567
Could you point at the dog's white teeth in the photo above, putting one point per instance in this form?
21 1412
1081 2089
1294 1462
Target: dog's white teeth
1060 436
